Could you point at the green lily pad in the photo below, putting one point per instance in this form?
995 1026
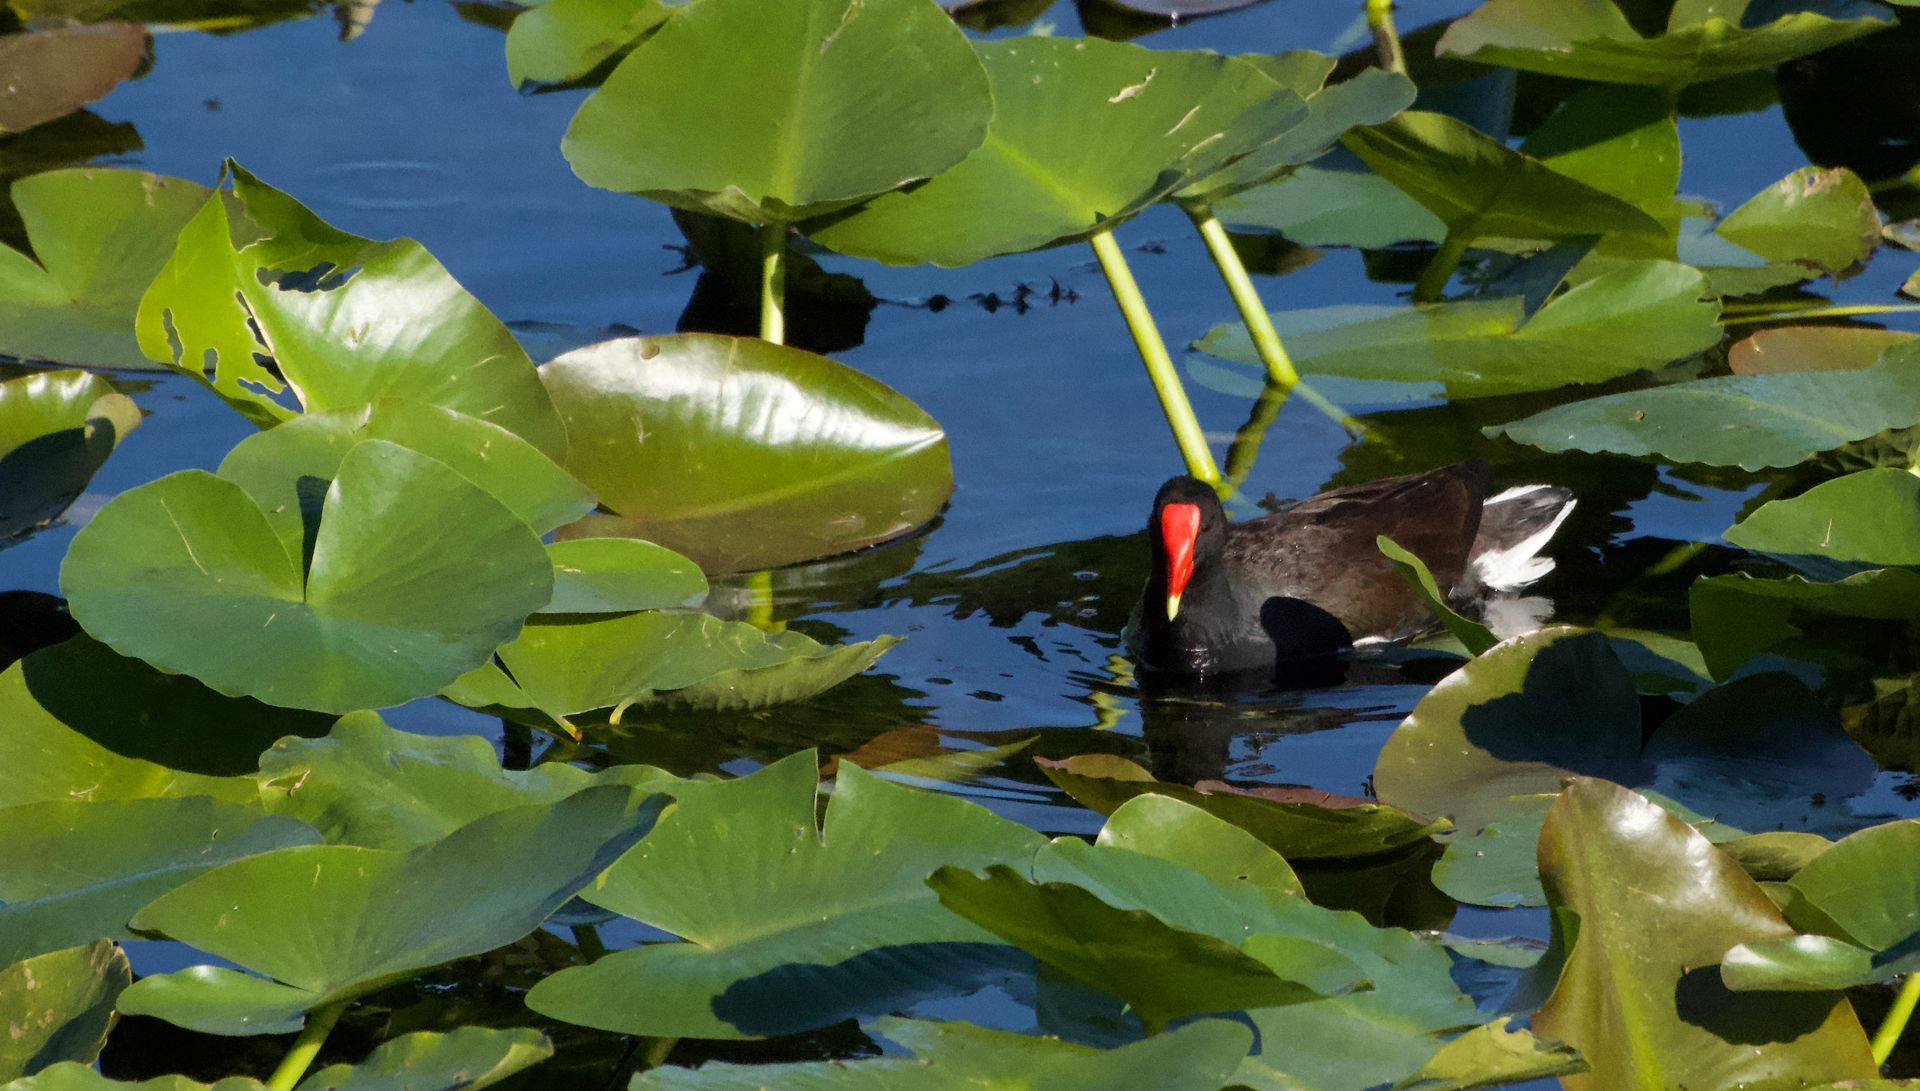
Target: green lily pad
1162 971
1639 316
57 750
1085 134
1497 866
1480 188
99 237
1316 206
827 104
1824 219
1737 753
416 577
1814 964
1645 909
617 575
1593 39
59 1006
1164 827
1813 348
1738 616
1491 1054
563 665
78 871
1750 421
789 925
1197 1057
1370 97
1863 893
829 460
1475 637
56 429
333 922
1347 1041
369 785
466 1059
562 41
283 467
1298 830
1869 519
51 73
1621 141
346 321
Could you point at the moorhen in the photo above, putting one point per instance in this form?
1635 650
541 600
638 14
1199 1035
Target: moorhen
1309 580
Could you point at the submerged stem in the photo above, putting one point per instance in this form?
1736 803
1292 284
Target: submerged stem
773 283
1433 279
1153 353
587 938
320 1023
1282 377
759 590
1784 313
1891 1027
1386 39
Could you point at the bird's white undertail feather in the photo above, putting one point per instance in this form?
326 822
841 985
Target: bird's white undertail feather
1509 615
1519 564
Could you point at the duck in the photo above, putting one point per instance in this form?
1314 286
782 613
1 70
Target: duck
1309 581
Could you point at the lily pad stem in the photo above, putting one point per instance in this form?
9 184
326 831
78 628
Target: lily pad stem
1783 314
587 938
1153 353
320 1023
1282 378
1896 1020
1386 39
773 283
1433 279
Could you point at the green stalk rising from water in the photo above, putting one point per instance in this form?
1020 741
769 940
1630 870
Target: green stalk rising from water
1386 39
320 1023
1281 374
1153 353
1885 1038
773 283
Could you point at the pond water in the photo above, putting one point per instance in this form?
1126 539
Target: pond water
1013 601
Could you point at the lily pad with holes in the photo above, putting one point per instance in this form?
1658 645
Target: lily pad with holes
345 320
59 1006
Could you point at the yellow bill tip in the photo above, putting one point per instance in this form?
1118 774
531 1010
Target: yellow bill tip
1173 607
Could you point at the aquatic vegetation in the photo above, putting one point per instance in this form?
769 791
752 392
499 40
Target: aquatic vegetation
683 860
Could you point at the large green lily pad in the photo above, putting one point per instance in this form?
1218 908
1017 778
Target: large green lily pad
1750 421
329 923
1863 520
59 1006
826 104
79 870
742 454
366 784
1639 316
1162 971
1861 898
1593 40
416 576
790 925
282 467
1644 910
1370 97
1085 134
53 72
99 238
1197 1057
1480 188
346 320
561 41
1739 753
1297 829
56 429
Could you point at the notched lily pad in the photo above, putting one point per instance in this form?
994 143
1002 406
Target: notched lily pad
56 429
415 577
99 238
827 461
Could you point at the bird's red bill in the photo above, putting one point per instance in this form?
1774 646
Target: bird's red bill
1179 527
